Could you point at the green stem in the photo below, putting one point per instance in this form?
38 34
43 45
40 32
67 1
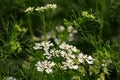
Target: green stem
30 26
44 26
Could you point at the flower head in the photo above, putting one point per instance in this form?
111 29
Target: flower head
9 78
29 9
45 66
69 64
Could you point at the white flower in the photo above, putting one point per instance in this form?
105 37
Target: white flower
45 66
89 60
74 49
29 9
55 53
69 64
70 28
46 44
37 46
74 31
57 41
68 47
48 70
40 66
51 6
71 37
40 9
48 6
60 28
9 78
47 54
81 58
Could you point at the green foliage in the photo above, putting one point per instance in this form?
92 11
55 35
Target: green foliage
91 26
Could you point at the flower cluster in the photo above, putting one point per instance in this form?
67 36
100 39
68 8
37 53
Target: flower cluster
87 15
69 64
43 45
69 57
9 78
41 9
29 9
68 47
48 6
69 30
82 58
45 66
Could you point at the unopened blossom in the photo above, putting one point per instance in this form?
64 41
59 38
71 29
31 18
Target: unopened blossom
87 15
29 9
60 28
71 37
49 35
84 14
57 41
70 28
9 78
45 66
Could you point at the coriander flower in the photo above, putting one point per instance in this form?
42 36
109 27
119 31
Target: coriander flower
9 78
67 55
81 58
45 66
46 44
70 28
60 28
69 64
29 9
68 47
40 9
89 60
37 46
48 6
47 54
51 6
55 53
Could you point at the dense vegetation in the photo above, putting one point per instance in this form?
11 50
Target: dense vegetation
59 40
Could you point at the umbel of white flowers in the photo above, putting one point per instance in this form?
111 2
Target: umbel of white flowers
9 78
69 53
41 9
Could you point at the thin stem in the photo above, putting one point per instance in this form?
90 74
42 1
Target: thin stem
44 26
30 26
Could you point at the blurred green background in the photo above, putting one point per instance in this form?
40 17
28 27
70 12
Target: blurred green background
109 10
